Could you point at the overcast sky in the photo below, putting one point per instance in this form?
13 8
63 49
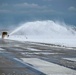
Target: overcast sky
16 11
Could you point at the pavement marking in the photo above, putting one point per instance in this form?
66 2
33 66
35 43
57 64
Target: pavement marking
29 67
48 68
71 59
32 49
17 45
43 53
47 53
1 49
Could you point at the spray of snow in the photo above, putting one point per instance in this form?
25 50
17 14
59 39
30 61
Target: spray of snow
45 31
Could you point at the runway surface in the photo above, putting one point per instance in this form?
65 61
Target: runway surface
32 58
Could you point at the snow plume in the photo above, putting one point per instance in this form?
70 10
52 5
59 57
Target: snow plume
45 31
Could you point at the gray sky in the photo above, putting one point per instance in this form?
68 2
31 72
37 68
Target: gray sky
17 11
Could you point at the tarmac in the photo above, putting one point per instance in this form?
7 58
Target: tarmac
33 58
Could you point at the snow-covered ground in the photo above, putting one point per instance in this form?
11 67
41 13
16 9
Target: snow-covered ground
66 42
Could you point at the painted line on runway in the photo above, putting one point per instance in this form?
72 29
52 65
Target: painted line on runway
43 53
71 59
29 66
1 49
32 49
47 67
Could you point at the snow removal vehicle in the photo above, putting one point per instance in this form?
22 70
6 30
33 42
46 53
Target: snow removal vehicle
4 34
